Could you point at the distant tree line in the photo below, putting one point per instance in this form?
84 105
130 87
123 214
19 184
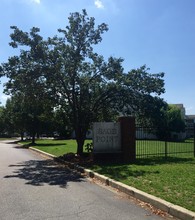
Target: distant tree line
61 84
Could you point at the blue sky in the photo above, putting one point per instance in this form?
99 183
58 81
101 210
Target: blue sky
158 33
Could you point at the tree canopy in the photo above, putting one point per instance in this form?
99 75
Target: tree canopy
26 78
65 72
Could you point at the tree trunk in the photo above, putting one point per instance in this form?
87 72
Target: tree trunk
80 138
38 135
22 135
33 138
80 143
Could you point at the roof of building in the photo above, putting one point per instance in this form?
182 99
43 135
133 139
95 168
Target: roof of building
190 116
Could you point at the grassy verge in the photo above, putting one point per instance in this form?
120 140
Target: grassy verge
172 179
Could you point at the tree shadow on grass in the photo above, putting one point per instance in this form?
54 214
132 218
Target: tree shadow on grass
40 145
162 160
148 161
51 145
123 172
40 172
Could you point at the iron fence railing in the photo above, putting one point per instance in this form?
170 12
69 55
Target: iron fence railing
178 145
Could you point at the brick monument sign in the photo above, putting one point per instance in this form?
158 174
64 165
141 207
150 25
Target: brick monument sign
115 140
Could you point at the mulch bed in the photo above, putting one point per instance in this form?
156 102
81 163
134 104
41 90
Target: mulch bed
86 160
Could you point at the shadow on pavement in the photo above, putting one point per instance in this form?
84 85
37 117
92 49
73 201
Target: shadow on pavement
40 172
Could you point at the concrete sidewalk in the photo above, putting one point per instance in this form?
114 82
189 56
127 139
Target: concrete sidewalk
173 210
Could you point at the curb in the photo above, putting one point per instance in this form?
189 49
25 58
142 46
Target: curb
174 210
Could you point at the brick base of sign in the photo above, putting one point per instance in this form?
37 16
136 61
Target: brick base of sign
109 157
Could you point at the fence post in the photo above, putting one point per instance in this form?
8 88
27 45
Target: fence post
165 149
194 139
128 138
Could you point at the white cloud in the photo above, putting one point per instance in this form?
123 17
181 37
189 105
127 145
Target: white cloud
98 4
36 1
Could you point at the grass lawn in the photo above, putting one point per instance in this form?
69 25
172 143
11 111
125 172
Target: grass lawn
55 147
172 179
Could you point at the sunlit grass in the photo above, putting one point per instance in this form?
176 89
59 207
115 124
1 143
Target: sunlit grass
172 179
55 147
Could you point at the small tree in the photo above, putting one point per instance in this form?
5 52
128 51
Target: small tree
3 123
171 120
175 121
15 116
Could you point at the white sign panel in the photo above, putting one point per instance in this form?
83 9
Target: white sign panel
106 137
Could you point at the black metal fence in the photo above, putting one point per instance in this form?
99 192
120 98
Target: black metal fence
178 145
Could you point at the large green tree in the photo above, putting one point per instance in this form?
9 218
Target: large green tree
88 86
83 81
84 85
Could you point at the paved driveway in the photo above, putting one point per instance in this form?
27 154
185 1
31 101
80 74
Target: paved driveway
33 188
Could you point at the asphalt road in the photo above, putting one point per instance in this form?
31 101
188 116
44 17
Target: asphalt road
34 188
